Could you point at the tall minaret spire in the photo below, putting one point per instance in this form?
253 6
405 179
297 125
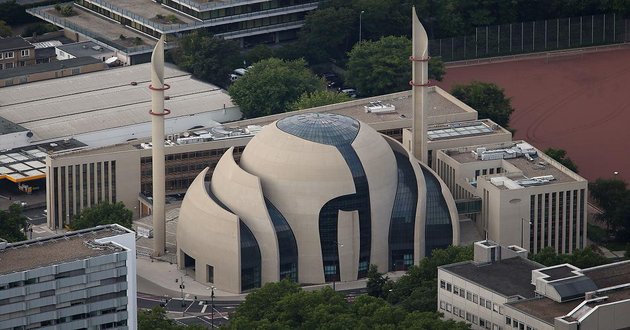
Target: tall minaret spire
158 112
419 83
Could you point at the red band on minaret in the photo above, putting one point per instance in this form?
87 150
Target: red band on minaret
413 59
166 112
166 86
428 84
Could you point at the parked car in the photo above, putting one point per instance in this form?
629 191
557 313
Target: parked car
350 92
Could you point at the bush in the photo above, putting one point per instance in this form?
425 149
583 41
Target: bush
67 10
122 37
58 7
39 29
137 41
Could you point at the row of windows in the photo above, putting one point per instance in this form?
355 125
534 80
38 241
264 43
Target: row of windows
557 220
487 171
483 302
469 317
517 324
193 154
4 55
236 10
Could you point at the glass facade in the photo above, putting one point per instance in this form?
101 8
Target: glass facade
401 227
287 245
438 229
250 259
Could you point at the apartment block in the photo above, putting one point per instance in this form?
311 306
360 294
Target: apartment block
16 52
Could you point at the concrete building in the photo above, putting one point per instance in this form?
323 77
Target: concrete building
50 70
501 289
323 184
141 22
200 145
82 279
16 52
527 198
83 49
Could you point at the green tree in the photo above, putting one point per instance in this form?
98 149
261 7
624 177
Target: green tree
318 99
488 99
155 318
560 155
582 258
376 282
325 34
258 53
13 224
272 85
5 30
102 214
431 321
208 58
39 29
382 67
613 197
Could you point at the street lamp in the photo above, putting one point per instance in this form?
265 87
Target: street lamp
523 231
338 270
181 287
212 308
360 23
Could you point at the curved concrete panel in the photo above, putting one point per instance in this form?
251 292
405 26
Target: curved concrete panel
242 193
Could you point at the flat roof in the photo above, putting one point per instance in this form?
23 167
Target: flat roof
545 309
50 66
507 277
542 165
558 272
8 127
440 105
56 249
119 97
14 43
149 9
609 275
85 48
26 164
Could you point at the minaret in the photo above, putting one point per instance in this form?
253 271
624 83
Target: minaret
419 83
158 112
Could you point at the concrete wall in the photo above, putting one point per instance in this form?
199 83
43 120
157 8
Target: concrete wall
66 72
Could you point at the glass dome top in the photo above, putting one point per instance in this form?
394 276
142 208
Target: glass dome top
326 128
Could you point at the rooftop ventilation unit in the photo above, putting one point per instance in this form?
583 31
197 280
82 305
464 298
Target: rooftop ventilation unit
379 107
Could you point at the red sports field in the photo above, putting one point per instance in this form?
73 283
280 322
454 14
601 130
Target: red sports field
580 103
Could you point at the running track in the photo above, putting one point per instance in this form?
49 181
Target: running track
580 103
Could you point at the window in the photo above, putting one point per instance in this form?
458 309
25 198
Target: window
482 322
474 319
508 320
488 304
9 54
455 289
442 305
468 317
455 310
501 310
482 301
25 52
495 307
475 298
210 271
495 327
468 295
448 307
448 287
8 65
461 313
514 323
442 285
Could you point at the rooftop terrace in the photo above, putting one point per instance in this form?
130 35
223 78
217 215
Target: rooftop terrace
56 249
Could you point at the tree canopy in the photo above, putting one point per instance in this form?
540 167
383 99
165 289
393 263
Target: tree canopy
5 30
102 214
613 197
12 224
318 99
583 258
284 305
383 66
207 57
487 98
560 155
272 85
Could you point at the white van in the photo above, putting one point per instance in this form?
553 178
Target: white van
237 73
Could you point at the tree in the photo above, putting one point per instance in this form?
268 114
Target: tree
583 258
13 224
208 58
102 214
376 282
156 319
383 67
487 98
39 29
5 30
560 155
318 99
258 53
613 197
272 85
325 34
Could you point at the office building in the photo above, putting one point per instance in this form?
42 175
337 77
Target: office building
518 195
326 185
503 290
83 279
133 27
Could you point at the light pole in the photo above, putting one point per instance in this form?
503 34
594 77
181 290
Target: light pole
337 270
212 308
181 287
523 231
360 23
